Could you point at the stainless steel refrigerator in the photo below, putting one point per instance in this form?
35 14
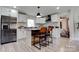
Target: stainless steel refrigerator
8 34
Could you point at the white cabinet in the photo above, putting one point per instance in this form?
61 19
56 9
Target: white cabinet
56 32
13 13
21 33
54 18
22 18
56 23
8 12
5 11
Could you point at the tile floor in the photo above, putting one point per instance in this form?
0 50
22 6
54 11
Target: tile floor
59 45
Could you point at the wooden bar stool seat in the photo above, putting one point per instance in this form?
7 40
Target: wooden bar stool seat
42 37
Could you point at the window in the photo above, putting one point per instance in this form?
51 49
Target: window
30 23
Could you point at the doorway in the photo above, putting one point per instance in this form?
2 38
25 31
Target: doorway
64 26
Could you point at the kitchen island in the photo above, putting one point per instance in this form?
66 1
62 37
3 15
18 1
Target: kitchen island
26 34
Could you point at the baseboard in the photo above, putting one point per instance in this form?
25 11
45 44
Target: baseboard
8 42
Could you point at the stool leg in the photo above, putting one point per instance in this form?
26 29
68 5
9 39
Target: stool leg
47 40
34 41
39 43
51 39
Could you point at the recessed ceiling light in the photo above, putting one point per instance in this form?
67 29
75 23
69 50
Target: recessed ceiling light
57 8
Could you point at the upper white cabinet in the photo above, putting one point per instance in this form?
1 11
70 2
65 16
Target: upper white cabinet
21 33
13 13
5 11
22 18
54 18
8 12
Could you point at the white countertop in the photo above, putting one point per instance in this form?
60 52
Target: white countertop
29 28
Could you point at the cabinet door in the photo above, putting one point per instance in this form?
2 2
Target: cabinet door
21 18
21 33
24 33
24 18
54 18
5 11
13 13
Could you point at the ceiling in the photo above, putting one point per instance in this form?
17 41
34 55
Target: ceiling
44 10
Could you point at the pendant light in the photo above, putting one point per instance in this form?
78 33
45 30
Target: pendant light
38 14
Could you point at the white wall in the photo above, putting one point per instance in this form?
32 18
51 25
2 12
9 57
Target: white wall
73 23
73 20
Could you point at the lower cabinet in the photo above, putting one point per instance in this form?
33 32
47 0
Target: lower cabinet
21 33
24 34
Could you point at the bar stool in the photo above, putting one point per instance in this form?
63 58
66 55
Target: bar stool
49 33
42 37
